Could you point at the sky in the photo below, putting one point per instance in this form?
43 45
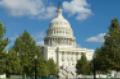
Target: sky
89 19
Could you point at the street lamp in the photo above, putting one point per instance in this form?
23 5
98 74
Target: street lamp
35 59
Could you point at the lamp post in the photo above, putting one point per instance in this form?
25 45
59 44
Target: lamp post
35 58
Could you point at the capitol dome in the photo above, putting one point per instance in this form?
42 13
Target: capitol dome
59 32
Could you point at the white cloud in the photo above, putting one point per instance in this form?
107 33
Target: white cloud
97 39
49 12
38 8
79 8
32 8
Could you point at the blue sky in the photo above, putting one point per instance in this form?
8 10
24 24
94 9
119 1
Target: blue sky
90 19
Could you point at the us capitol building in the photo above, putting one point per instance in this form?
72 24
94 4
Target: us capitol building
60 45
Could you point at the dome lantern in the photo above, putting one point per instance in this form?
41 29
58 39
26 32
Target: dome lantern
59 11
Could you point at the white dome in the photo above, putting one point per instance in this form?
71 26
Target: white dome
59 31
59 26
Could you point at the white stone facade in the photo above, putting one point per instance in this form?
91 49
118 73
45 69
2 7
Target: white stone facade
60 45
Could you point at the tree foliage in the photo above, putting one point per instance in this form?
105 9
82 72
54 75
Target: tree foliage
83 66
3 44
26 49
52 67
42 69
108 56
13 65
3 40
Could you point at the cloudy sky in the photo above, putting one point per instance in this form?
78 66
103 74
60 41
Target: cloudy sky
89 19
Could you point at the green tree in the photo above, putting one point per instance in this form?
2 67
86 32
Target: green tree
52 67
40 66
42 69
13 63
83 65
3 44
107 57
3 40
26 48
2 63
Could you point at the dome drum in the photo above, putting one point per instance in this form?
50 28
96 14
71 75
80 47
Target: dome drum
55 41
